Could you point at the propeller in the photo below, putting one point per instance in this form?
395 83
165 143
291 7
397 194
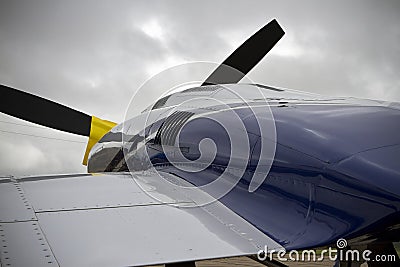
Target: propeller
48 113
45 112
246 56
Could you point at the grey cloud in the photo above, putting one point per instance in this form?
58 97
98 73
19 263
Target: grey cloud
92 55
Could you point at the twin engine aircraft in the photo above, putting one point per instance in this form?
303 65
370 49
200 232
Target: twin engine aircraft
220 170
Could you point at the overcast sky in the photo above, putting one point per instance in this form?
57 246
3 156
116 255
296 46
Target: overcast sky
93 55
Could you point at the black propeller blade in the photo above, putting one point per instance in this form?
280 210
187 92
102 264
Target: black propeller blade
246 56
44 112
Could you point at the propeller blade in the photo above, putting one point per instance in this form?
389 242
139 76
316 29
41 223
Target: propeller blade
246 56
45 112
42 111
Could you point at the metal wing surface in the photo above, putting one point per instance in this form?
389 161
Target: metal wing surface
114 220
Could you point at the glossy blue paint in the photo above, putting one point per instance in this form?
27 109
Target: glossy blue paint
321 186
336 172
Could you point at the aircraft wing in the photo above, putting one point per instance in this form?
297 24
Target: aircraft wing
114 220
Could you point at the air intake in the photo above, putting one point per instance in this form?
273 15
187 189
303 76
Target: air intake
170 128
